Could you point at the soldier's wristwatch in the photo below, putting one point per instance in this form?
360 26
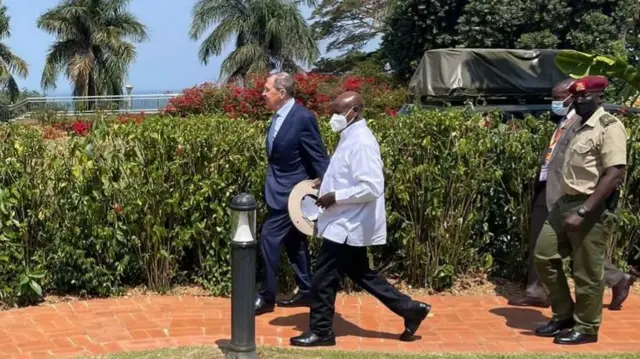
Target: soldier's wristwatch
582 211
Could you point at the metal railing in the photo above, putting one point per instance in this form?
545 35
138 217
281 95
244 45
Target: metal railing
78 105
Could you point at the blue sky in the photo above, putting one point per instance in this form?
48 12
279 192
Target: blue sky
168 61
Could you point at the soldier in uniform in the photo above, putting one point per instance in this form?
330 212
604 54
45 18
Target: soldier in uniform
594 165
547 190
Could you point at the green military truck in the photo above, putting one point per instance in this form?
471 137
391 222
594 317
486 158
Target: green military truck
515 82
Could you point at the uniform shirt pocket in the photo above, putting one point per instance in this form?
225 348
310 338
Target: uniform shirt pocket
583 147
583 157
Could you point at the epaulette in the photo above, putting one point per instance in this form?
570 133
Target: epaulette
606 119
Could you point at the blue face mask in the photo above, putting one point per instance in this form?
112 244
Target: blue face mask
558 108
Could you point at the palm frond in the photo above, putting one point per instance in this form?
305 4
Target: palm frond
214 43
126 25
113 64
248 58
63 20
124 51
5 20
110 74
57 57
11 86
289 35
206 13
114 5
13 63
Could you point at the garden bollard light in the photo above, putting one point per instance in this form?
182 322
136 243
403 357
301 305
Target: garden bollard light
243 278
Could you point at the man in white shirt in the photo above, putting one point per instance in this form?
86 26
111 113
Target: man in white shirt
353 218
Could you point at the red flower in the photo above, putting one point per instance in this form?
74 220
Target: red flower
80 127
117 209
352 83
391 112
322 98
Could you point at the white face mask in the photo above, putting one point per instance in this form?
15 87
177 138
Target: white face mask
339 122
558 107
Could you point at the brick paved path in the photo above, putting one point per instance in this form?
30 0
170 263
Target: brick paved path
461 324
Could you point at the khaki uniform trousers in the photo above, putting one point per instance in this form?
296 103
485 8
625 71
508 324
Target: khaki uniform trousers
587 249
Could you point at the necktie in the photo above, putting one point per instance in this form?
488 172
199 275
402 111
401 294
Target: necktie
272 132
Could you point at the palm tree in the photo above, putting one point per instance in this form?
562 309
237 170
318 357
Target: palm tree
269 35
94 45
10 64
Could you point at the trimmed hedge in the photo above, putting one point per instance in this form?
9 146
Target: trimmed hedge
145 202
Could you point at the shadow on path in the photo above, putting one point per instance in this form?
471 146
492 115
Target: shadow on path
341 326
521 318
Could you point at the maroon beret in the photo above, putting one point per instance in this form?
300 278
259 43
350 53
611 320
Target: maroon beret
589 84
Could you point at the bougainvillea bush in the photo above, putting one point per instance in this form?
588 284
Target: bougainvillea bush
315 91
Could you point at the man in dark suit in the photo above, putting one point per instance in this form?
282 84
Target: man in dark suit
296 153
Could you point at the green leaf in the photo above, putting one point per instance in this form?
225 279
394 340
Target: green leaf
37 275
36 287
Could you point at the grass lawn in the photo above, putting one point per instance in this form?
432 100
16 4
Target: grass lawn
278 353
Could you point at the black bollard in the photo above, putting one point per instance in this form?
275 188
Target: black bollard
243 278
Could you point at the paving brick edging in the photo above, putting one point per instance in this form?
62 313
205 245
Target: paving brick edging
457 324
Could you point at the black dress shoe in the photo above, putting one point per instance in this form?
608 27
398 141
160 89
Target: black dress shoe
263 307
620 291
310 339
573 338
554 327
529 302
298 300
413 320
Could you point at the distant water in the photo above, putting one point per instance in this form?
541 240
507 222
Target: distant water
137 103
134 92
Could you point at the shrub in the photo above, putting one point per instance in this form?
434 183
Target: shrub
145 202
315 91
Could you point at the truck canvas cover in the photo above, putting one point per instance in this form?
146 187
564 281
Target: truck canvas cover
487 72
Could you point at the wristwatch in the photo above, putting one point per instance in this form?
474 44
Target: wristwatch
582 211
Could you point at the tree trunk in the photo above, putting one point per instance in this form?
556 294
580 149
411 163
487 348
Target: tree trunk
91 91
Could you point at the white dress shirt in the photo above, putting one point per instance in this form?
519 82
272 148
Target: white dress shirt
358 217
277 120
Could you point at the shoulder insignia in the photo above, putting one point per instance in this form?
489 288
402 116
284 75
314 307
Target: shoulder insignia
607 119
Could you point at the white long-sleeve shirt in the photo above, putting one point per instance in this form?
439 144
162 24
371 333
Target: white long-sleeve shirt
358 217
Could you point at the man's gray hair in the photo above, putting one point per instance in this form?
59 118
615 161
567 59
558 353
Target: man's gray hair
284 81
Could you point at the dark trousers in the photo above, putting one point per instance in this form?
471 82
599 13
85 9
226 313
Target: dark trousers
539 214
336 259
278 230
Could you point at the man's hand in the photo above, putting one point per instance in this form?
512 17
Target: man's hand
327 200
573 223
316 183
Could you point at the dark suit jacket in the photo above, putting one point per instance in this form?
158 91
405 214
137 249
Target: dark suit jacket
298 153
